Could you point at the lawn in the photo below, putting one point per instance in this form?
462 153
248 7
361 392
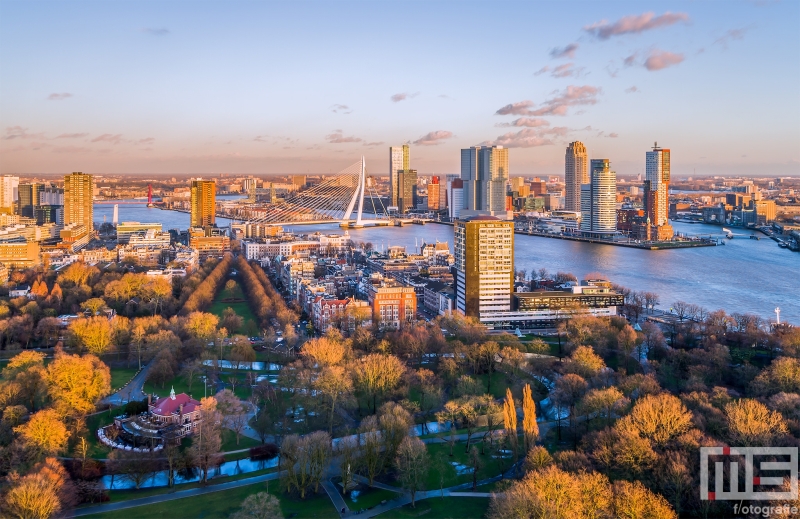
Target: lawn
181 386
94 422
224 503
229 441
442 508
121 376
491 466
367 497
241 308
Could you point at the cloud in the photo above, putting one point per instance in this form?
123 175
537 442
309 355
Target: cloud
443 96
71 149
18 132
525 121
433 138
59 97
733 34
156 31
337 137
570 96
71 135
343 109
526 138
563 70
630 60
373 143
632 90
612 135
147 140
660 59
403 96
260 138
566 52
108 137
634 24
541 71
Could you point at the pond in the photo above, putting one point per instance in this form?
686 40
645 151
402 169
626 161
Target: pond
251 366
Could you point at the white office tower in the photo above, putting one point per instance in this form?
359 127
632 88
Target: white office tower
484 262
455 197
576 173
9 193
657 173
484 171
398 161
115 219
599 200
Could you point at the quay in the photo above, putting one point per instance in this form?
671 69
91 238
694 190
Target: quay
652 245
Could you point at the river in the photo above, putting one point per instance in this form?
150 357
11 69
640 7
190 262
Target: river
745 276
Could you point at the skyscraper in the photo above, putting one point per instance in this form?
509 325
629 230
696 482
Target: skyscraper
204 202
9 193
657 172
599 199
398 160
484 171
484 261
433 194
78 200
576 173
406 189
29 198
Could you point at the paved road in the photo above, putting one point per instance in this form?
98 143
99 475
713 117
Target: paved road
132 503
133 391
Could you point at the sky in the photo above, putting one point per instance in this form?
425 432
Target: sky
309 87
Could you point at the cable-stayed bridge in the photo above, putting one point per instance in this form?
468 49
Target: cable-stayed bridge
332 201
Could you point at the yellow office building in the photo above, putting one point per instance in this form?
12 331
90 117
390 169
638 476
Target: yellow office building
78 200
204 202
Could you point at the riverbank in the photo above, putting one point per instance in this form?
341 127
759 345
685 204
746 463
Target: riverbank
659 245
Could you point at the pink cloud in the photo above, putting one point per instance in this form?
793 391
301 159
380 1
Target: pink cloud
660 59
529 122
434 138
527 138
566 52
59 97
108 137
634 24
18 132
72 135
337 137
570 96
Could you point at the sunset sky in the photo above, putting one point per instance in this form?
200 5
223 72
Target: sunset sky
308 87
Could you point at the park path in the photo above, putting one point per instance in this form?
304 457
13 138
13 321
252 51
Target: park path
132 391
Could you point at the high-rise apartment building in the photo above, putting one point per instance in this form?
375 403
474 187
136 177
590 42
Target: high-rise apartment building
398 161
455 197
484 261
599 199
434 189
9 193
78 201
29 198
406 189
203 203
657 172
576 173
484 171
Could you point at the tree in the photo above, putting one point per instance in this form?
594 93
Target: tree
323 352
77 383
307 461
40 494
134 467
475 464
93 305
349 452
635 501
29 376
78 273
334 385
658 418
259 506
530 428
242 352
782 375
627 339
92 334
605 401
371 454
584 362
750 423
202 325
233 410
393 424
510 423
569 390
377 374
44 432
231 320
207 439
412 465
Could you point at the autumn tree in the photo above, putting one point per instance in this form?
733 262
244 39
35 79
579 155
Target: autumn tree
530 428
376 375
323 352
658 418
412 465
27 373
751 423
93 334
335 387
584 362
604 401
233 410
510 423
202 325
635 501
207 439
45 433
782 375
41 494
76 383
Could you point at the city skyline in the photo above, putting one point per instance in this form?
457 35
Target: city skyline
138 88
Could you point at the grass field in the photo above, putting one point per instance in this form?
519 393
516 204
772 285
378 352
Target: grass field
490 466
220 505
242 309
94 422
121 376
442 508
229 441
368 497
181 386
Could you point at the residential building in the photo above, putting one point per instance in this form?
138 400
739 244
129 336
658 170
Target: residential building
576 174
79 201
455 197
74 237
406 190
208 245
657 172
433 194
29 199
538 187
127 229
203 203
484 262
150 238
599 200
9 193
393 304
49 214
399 160
51 196
19 253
